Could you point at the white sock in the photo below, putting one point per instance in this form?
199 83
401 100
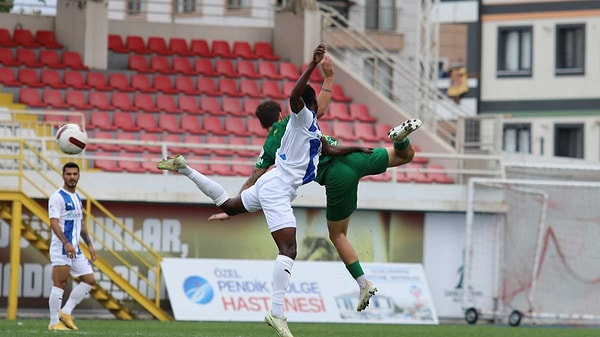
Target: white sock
208 186
54 303
80 292
362 281
281 278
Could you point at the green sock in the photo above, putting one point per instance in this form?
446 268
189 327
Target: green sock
402 145
355 269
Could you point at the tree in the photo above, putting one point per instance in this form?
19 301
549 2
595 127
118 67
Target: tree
6 6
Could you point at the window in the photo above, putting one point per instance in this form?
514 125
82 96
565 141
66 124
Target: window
135 7
517 138
568 140
186 6
570 49
379 74
238 4
514 51
380 14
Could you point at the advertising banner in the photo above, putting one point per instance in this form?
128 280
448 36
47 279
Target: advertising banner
240 290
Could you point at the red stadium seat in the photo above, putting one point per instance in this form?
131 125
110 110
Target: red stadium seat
264 50
54 99
167 104
219 165
121 101
417 159
381 131
97 80
5 39
115 44
99 100
7 58
189 104
343 130
29 77
413 173
124 120
169 123
204 67
191 124
106 162
77 100
210 105
438 177
242 141
161 65
163 84
250 88
129 162
255 128
31 97
149 164
228 87
136 44
127 136
243 170
247 69
139 63
365 132
176 148
339 111
151 148
214 126
268 70
74 79
158 45
287 89
27 58
236 126
325 128
141 82
250 105
383 177
232 106
24 38
179 46
73 60
337 94
100 120
243 49
145 103
221 149
221 48
186 85
119 82
199 47
47 39
316 74
289 71
102 135
8 78
225 68
207 86
195 139
147 122
272 90
359 111
50 59
182 65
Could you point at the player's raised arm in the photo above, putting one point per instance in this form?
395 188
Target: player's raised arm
337 150
296 101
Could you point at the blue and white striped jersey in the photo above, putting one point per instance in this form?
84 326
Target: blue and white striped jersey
67 208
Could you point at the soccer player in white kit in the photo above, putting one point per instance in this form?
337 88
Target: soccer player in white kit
296 165
66 221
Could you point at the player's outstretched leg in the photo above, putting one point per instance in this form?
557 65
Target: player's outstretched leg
172 163
400 132
279 324
365 295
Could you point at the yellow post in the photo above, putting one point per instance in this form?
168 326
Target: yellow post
15 260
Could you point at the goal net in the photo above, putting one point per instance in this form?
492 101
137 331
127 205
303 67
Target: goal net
541 256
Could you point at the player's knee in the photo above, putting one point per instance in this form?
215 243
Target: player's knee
289 250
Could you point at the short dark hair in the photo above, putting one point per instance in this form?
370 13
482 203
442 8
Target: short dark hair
70 165
268 113
310 97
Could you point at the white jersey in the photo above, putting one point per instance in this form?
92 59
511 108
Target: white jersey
298 155
66 207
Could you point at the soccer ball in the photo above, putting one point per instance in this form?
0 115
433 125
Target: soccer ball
71 139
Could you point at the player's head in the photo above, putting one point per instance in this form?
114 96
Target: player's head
310 98
70 174
268 112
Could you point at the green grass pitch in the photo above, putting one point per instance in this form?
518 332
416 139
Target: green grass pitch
147 328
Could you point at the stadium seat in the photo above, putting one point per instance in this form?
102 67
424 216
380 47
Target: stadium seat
344 130
149 164
339 111
221 48
163 84
47 39
287 89
176 148
417 159
249 88
169 123
193 140
272 90
219 165
128 136
207 86
199 47
236 126
268 70
97 80
247 69
6 40
102 135
54 99
289 71
161 65
221 149
139 63
115 44
136 44
179 47
119 82
99 100
325 128
186 85
24 38
121 101
124 120
129 162
105 162
147 122
50 59
250 105
182 65
27 58
51 78
242 141
438 177
255 128
337 93
232 106
359 111
204 67
383 177
264 50
365 132
7 58
211 106
191 124
316 74
145 103
225 67
100 120
73 60
243 170
214 126
243 49
141 82
77 100
188 104
158 45
414 174
8 78
29 77
228 87
381 131
167 104
75 80
31 98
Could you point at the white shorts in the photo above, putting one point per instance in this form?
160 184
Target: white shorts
80 265
274 197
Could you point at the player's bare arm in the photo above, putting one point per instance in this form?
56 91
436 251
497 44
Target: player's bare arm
296 101
88 241
331 150
324 96
69 249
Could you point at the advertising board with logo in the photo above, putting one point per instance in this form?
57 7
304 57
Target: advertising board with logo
240 290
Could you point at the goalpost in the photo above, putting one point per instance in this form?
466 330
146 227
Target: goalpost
535 254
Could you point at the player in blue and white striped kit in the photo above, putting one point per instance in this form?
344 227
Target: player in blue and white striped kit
66 221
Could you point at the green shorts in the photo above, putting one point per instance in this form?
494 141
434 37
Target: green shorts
342 177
